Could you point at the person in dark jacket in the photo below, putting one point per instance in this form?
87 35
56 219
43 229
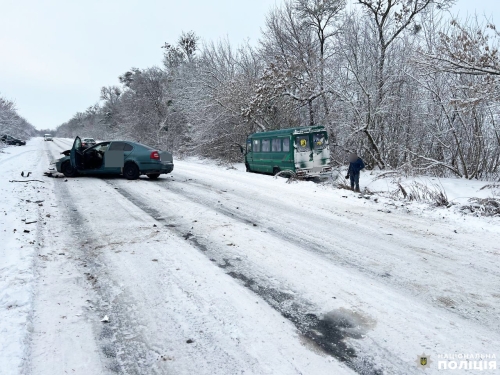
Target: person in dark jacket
355 167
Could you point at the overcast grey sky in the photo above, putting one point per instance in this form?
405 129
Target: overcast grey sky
55 55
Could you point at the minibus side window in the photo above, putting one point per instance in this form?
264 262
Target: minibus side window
256 145
286 145
276 145
302 143
266 145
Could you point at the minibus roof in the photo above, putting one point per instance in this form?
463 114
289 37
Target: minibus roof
288 131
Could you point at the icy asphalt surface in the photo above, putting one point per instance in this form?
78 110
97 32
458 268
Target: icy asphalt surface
212 270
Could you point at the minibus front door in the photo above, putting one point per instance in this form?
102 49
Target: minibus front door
248 154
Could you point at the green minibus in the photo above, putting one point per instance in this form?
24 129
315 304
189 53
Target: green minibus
303 150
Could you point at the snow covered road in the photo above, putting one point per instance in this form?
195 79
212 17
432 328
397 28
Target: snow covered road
212 270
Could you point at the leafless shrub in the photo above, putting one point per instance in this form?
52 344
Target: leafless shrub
343 185
403 190
290 175
420 192
367 191
394 195
225 164
491 186
391 174
483 207
337 179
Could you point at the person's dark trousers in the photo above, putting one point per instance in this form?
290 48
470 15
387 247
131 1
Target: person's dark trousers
354 180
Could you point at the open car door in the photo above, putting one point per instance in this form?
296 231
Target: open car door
75 155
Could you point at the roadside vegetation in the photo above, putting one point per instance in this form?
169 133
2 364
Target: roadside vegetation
406 84
11 123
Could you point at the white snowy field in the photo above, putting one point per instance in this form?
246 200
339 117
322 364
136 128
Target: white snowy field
212 270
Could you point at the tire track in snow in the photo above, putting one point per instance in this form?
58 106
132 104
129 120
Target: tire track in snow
16 156
328 333
258 285
331 330
292 238
314 244
122 344
35 210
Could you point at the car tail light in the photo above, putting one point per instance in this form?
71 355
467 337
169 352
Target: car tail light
155 155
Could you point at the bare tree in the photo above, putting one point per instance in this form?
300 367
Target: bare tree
12 123
387 78
390 19
471 49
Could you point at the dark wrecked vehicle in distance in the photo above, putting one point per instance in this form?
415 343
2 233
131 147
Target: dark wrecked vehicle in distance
9 140
88 142
126 158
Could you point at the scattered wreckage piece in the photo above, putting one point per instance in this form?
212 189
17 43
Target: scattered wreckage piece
53 174
27 181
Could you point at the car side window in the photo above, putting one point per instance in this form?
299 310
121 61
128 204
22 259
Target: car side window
116 146
101 147
77 144
127 147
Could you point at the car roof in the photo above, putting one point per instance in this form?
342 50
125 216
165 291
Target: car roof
120 140
135 144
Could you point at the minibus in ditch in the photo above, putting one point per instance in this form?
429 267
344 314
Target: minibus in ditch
303 150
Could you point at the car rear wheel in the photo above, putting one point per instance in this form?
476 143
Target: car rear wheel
131 171
18 144
153 176
68 170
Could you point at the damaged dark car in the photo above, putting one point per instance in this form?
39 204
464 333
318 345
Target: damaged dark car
9 140
126 158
